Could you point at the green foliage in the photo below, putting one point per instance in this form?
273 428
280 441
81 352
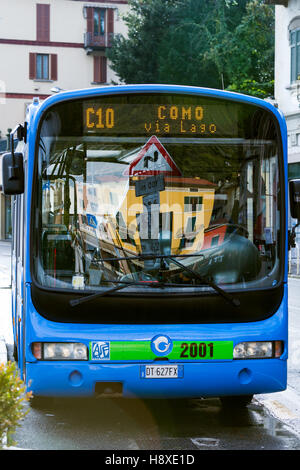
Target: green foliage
135 58
251 87
250 61
210 43
12 400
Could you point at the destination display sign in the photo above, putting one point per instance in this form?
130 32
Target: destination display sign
205 120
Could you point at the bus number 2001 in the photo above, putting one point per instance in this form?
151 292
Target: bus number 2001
197 350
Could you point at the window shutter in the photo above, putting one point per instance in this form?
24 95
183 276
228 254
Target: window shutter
103 69
100 69
110 21
90 19
32 66
43 22
54 67
96 69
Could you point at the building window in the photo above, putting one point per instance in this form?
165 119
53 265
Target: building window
215 240
193 203
42 66
99 21
295 55
294 34
294 170
100 24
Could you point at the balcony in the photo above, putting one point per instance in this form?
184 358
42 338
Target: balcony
97 43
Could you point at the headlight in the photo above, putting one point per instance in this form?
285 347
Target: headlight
258 350
60 351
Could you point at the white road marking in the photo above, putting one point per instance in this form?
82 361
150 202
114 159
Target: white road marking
133 445
205 442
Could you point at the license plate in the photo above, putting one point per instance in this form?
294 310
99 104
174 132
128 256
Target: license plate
162 372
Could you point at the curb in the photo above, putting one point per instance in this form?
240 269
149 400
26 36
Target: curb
283 406
13 448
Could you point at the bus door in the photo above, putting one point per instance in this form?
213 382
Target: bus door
18 277
13 272
259 212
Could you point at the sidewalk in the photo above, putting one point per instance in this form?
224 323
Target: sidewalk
3 350
6 334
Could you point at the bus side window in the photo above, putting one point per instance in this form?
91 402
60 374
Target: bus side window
17 228
21 229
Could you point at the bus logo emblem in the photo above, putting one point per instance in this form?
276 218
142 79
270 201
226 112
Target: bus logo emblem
100 351
161 345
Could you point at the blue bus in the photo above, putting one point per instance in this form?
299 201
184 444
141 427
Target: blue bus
149 252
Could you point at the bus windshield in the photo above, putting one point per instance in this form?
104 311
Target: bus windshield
149 189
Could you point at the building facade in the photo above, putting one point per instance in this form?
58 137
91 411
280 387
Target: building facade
52 45
287 91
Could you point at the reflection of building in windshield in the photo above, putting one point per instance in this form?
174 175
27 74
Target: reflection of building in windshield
183 213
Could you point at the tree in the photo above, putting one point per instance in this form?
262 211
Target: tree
211 43
251 61
135 59
185 61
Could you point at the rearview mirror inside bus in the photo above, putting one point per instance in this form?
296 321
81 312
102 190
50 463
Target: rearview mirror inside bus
12 173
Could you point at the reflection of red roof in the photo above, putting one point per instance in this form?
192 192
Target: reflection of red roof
169 180
188 181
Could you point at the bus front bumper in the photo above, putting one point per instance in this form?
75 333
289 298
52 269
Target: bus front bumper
205 379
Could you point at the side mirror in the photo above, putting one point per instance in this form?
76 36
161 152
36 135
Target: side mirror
294 187
12 173
295 199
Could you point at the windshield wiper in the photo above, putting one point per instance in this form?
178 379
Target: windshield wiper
149 256
105 292
233 300
217 288
81 300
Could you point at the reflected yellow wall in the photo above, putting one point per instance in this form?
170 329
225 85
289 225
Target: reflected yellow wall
109 198
171 200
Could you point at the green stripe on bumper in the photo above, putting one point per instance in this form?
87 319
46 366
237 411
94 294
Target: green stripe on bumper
182 350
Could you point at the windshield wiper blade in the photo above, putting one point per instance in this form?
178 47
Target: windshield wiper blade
81 300
75 302
217 288
149 256
233 300
195 274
